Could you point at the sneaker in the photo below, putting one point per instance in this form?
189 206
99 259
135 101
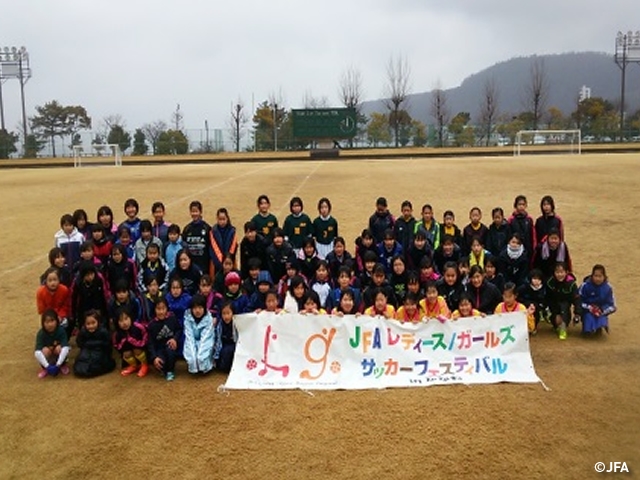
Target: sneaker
144 368
42 373
562 335
170 376
129 370
64 369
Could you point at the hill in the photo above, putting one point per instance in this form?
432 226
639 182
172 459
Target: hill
566 74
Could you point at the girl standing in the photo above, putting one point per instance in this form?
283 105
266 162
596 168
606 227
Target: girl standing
325 228
223 242
548 220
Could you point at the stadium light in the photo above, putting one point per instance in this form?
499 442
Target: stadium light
14 63
627 51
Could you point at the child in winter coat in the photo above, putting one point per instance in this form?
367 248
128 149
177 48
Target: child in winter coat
165 335
130 339
199 336
596 297
93 340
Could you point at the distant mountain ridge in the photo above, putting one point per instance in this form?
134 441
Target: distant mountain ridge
566 74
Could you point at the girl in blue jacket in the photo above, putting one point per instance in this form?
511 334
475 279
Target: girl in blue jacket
596 297
199 336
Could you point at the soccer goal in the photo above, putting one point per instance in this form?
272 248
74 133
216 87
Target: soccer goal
560 141
111 150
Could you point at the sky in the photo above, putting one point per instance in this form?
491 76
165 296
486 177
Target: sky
140 58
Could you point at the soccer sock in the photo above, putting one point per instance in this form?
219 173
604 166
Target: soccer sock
142 358
63 356
130 360
42 360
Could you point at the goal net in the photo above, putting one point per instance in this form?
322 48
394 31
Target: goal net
560 141
97 151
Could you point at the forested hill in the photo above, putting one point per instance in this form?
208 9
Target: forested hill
566 73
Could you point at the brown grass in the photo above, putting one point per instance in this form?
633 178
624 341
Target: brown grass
114 427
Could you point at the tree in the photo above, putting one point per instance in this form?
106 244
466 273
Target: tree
464 135
378 129
509 127
440 112
397 91
555 119
172 142
268 118
140 146
55 120
237 121
402 122
309 101
152 132
351 94
488 109
32 146
7 143
597 116
118 135
419 131
537 91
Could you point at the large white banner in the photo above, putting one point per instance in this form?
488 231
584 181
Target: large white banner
330 352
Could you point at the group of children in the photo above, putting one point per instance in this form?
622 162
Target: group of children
157 293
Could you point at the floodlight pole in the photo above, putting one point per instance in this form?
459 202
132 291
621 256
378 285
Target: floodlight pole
12 57
2 126
621 60
627 51
23 80
275 127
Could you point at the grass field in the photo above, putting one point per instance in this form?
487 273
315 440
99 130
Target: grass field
114 427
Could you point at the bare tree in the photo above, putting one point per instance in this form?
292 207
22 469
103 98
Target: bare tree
488 108
152 132
440 111
351 93
537 92
397 91
309 101
237 121
113 120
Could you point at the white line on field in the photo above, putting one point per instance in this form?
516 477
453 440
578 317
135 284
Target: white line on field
192 195
23 265
293 194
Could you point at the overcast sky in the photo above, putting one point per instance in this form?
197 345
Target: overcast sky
139 58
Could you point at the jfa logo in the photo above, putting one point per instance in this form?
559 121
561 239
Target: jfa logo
613 467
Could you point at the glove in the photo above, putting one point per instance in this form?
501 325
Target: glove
53 370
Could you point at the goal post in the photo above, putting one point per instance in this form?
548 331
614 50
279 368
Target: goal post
559 139
97 150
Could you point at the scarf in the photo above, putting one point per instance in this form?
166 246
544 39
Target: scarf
515 253
560 256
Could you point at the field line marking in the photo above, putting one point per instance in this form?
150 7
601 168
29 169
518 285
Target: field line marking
34 260
297 189
192 195
26 264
